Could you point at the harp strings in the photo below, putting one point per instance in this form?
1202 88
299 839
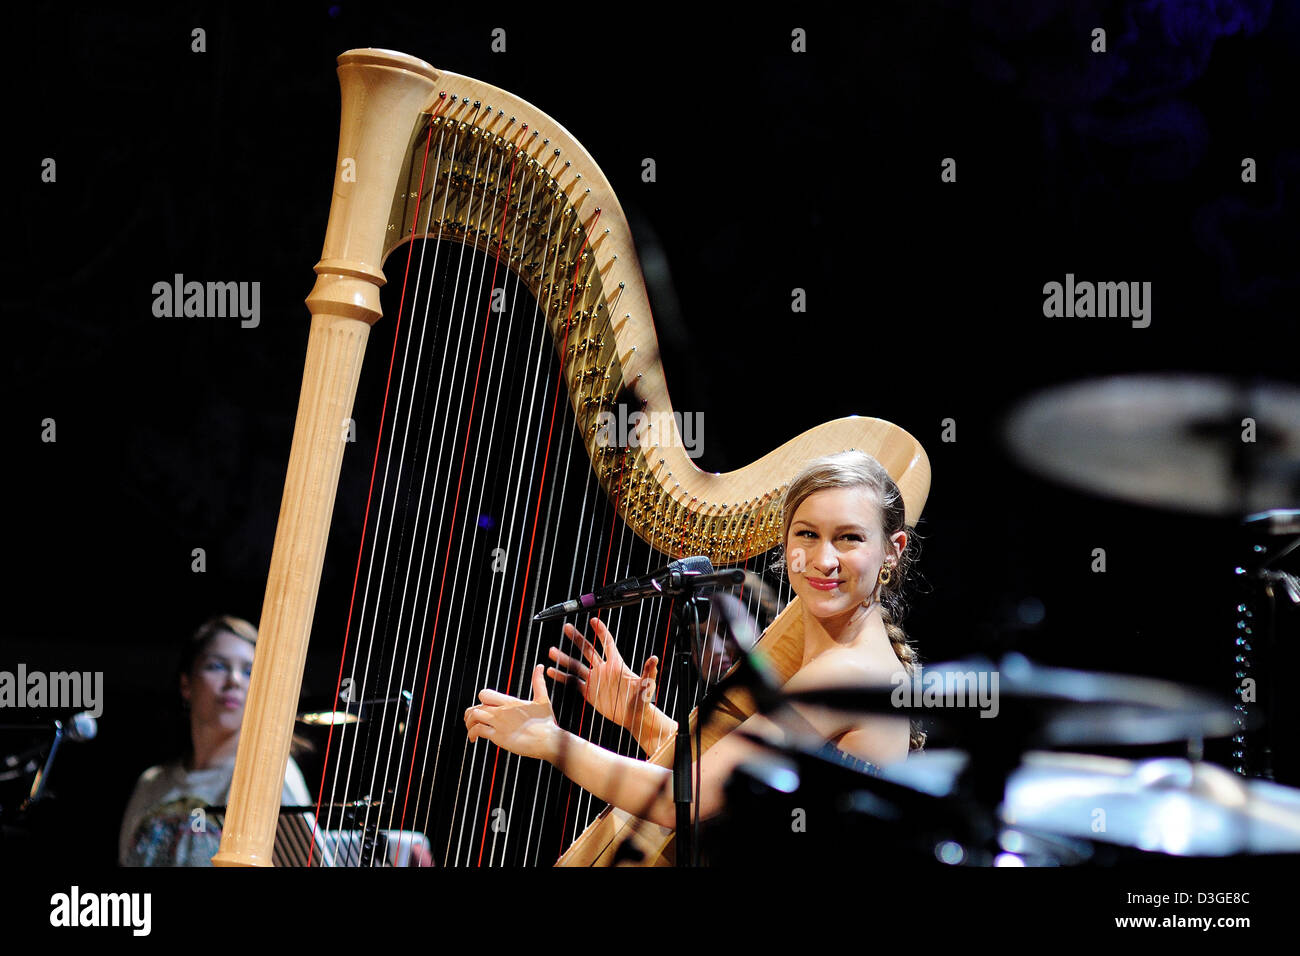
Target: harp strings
458 629
581 565
361 687
333 817
398 689
601 728
494 376
543 558
492 649
410 612
523 690
487 646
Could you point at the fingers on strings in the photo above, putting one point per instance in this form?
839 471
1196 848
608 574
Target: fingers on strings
587 648
476 723
569 664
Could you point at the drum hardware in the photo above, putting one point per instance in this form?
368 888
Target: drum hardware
1269 538
1206 445
1203 445
1060 809
1005 801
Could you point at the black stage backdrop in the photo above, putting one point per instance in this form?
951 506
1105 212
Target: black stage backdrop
776 170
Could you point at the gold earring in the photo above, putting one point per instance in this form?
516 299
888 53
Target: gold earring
886 574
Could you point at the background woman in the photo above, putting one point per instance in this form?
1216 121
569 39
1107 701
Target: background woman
164 824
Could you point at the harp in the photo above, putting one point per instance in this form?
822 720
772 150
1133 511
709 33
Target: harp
498 485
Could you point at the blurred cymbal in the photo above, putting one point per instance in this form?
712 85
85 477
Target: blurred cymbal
1164 805
1169 440
1029 705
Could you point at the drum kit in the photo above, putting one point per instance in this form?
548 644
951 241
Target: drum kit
1022 789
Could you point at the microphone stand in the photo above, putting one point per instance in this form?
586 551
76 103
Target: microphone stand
685 585
683 666
42 776
688 632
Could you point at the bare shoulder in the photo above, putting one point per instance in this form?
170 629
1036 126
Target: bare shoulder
880 740
846 665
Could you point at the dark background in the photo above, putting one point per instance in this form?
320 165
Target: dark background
776 170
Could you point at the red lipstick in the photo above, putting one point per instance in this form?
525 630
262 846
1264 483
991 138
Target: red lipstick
824 584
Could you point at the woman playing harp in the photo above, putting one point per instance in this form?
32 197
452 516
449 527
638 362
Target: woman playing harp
507 192
845 542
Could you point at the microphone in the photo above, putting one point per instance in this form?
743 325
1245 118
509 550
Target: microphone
81 727
666 581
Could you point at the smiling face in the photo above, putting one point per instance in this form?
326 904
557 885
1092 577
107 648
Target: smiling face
217 684
834 551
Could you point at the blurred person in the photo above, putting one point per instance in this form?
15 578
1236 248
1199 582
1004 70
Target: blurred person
164 823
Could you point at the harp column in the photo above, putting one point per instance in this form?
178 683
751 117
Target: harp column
384 94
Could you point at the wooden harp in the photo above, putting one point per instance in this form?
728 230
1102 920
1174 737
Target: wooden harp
509 208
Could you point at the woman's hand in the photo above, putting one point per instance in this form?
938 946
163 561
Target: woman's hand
523 727
614 689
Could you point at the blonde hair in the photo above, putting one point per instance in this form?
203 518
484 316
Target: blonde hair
856 469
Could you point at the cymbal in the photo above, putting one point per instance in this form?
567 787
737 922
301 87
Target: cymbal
1035 706
1176 441
1165 805
1054 800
